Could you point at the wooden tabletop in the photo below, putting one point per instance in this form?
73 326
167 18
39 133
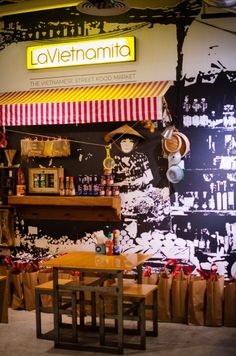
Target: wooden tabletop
96 262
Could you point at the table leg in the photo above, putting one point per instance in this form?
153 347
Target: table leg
56 304
139 271
120 310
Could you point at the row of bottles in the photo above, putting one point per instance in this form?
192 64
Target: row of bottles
108 245
221 196
213 241
66 186
7 184
216 242
43 180
113 243
196 114
222 150
91 185
12 181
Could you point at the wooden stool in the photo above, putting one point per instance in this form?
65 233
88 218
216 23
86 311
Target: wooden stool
134 306
68 300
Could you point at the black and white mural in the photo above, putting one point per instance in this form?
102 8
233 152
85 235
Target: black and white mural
193 221
69 23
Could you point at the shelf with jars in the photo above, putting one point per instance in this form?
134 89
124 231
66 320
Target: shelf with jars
220 200
186 211
81 208
7 184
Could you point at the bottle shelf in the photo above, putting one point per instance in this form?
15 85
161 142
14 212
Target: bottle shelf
7 183
209 170
67 207
183 211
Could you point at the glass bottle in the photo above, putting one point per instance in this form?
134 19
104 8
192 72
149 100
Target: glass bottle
211 202
61 186
67 186
224 196
71 186
116 242
201 241
20 177
218 197
204 203
36 180
42 180
196 241
109 244
196 201
195 119
231 197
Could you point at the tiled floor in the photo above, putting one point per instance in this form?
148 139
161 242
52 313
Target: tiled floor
17 338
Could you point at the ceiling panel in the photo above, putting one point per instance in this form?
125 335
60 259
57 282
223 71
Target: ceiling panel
22 6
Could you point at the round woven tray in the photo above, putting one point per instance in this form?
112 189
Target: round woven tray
172 144
185 144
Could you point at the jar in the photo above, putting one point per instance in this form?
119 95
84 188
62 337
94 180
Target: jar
101 190
108 191
85 189
103 180
110 180
95 189
107 172
115 191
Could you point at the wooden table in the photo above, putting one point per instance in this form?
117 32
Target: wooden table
87 262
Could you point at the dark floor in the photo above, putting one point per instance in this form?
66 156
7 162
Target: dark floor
17 338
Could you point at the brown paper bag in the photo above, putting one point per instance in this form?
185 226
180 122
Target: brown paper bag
45 275
196 301
5 271
29 281
152 279
149 279
164 296
18 301
179 298
230 304
214 301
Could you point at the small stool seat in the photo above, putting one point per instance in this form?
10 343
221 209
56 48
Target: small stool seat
68 300
134 306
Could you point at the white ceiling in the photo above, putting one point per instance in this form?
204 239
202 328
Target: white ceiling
13 7
22 6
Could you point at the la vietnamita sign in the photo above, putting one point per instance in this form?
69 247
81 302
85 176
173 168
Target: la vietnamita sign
81 53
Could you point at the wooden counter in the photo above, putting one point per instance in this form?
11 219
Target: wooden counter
67 207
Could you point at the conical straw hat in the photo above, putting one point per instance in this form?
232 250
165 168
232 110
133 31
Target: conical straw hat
123 130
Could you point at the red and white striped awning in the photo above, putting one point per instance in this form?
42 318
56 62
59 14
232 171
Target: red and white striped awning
94 104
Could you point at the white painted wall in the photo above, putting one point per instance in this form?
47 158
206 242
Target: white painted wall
156 60
207 44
